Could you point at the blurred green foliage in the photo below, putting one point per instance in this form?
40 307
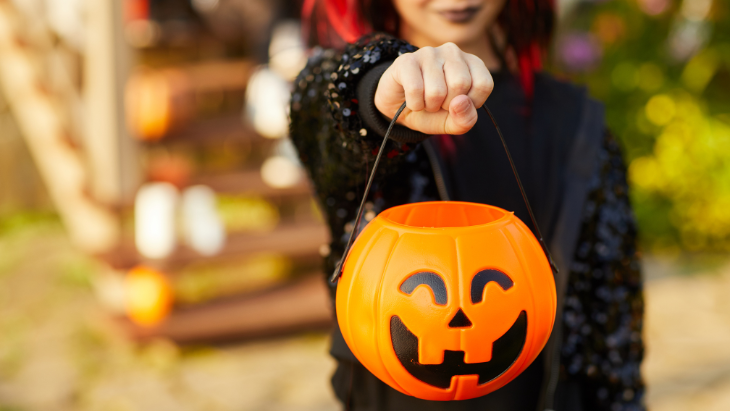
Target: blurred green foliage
18 220
663 72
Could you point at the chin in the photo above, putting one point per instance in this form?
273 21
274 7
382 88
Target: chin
461 37
433 23
435 31
458 35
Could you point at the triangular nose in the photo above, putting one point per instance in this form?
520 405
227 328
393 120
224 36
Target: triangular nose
460 320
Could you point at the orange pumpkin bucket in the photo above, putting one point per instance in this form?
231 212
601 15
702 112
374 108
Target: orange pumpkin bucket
446 300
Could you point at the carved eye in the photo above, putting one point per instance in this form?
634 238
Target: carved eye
483 278
431 280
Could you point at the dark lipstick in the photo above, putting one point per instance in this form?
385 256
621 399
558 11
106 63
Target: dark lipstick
460 16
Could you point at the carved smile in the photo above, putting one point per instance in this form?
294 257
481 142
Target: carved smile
505 351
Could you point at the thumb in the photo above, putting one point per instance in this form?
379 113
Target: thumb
462 115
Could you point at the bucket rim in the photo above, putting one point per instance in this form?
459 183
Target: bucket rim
386 216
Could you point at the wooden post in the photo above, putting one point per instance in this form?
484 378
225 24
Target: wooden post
90 226
111 153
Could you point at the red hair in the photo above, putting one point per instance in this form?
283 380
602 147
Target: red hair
527 25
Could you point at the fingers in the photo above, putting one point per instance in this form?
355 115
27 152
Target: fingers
408 75
434 90
482 83
458 119
458 80
462 115
442 87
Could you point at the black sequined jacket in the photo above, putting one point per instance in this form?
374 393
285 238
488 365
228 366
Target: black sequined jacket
597 343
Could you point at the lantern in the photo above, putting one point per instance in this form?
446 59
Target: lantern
445 300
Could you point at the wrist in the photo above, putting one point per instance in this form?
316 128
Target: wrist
373 118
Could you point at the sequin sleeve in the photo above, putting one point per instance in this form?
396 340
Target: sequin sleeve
602 320
335 146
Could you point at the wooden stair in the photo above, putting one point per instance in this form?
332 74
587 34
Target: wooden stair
293 307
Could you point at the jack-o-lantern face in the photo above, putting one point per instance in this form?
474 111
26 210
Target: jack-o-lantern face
505 349
446 300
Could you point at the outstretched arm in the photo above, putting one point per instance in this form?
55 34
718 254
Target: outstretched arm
335 144
340 111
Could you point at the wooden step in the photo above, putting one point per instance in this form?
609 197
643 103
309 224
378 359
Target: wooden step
214 131
250 182
294 307
294 240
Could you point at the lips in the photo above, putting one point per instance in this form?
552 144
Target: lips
505 351
460 15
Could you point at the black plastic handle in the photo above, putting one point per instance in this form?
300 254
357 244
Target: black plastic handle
338 269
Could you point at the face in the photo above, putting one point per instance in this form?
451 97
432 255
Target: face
458 321
435 22
505 349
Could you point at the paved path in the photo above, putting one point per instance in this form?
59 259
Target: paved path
58 351
688 339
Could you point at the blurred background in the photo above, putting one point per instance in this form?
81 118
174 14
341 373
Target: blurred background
159 247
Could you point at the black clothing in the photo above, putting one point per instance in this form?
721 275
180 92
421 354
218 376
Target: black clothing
356 386
574 178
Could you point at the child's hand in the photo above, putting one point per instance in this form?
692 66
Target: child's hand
442 88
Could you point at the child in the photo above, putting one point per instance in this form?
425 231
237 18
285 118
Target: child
445 58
